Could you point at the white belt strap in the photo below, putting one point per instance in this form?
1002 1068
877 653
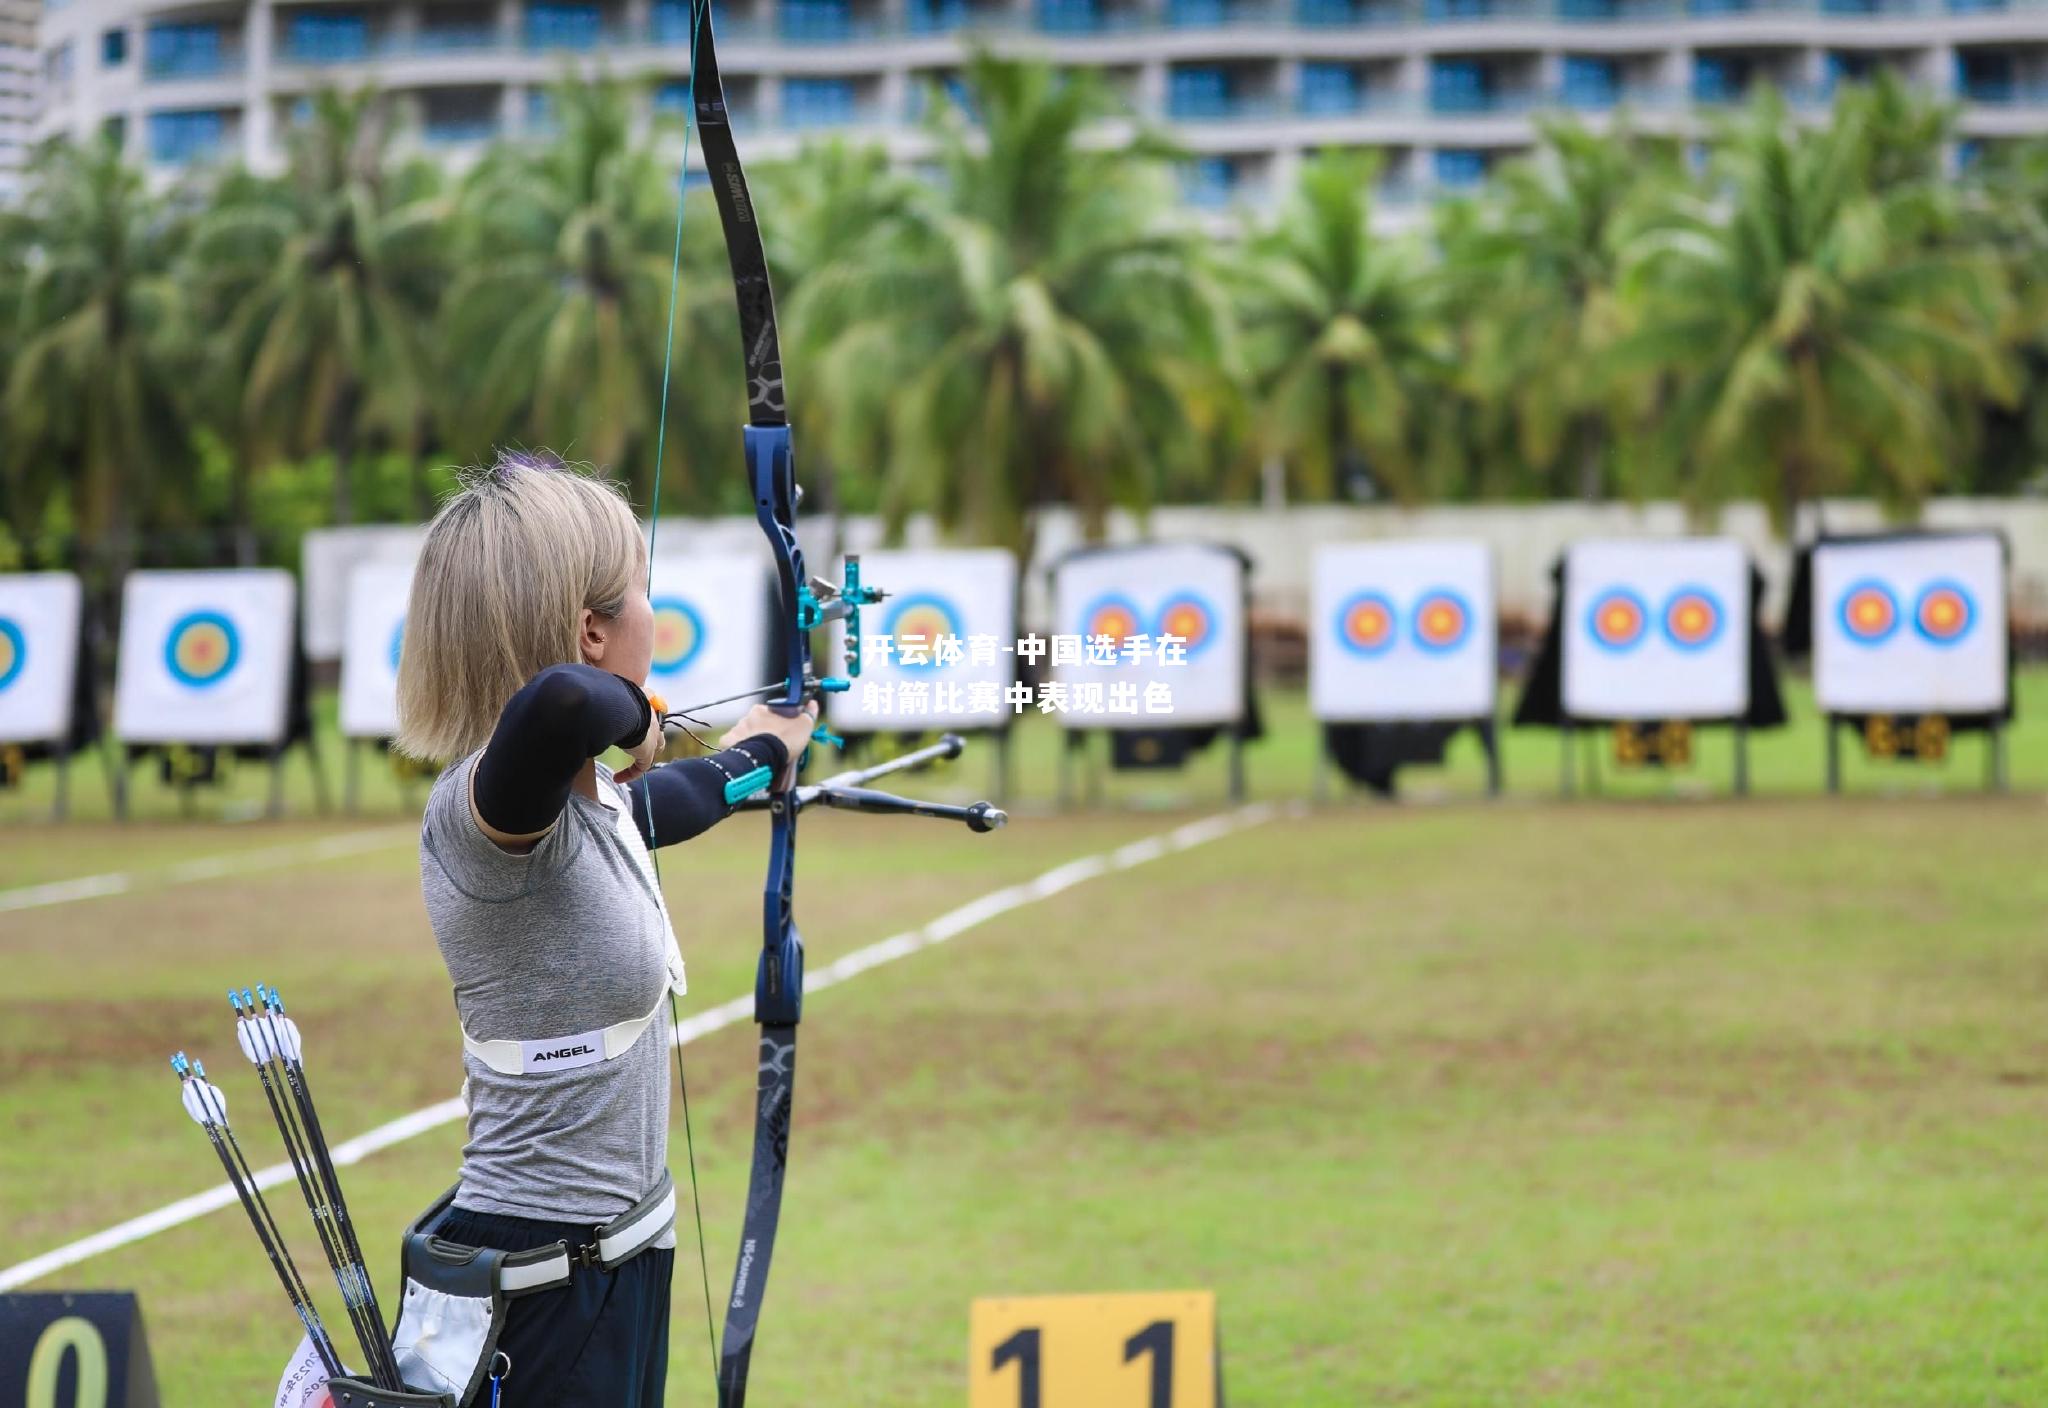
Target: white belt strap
561 1053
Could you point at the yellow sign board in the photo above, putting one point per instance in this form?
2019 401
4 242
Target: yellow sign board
1147 1350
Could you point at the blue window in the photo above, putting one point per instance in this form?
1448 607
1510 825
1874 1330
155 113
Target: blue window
1434 10
1718 80
327 36
540 110
185 50
1198 92
935 16
1985 75
669 22
1326 12
1329 88
673 96
179 137
1210 181
555 24
1591 82
1197 14
1460 167
1969 153
1069 16
817 102
1460 85
815 20
114 48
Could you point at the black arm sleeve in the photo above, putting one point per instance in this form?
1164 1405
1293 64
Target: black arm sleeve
565 716
676 801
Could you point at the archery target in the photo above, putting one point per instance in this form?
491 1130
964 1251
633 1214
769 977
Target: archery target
1134 595
206 657
940 651
373 637
1911 625
1402 631
328 558
711 633
1656 629
39 631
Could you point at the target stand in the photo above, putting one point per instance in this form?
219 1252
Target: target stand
1916 738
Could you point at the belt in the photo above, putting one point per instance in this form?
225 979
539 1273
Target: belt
544 1268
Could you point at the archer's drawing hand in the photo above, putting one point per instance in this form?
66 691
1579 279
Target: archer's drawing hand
793 729
645 751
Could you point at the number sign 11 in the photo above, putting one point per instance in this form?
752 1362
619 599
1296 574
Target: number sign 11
1149 1350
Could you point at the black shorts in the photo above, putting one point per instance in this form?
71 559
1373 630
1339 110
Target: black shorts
601 1340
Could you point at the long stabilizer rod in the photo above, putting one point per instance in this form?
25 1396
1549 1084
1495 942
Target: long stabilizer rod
846 791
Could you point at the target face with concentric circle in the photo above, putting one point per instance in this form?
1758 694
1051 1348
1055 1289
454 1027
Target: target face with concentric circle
1870 613
201 648
13 651
1365 623
1442 621
1617 620
678 635
1188 617
1944 613
923 620
1112 618
1693 618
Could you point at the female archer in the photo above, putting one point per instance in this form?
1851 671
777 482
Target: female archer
527 636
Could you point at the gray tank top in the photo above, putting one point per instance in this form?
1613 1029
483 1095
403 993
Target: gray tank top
569 937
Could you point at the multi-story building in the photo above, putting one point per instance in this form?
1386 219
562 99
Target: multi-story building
18 63
1443 88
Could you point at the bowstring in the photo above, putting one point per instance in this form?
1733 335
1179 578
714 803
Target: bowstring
668 354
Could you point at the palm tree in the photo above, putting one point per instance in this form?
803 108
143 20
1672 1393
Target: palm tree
555 324
1021 335
97 436
1822 327
1536 273
1345 338
331 275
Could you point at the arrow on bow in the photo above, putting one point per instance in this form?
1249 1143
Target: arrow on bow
805 604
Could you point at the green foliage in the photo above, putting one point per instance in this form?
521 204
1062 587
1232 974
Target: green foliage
1032 319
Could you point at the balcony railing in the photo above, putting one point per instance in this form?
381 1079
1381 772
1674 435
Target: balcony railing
459 131
183 62
833 24
2003 92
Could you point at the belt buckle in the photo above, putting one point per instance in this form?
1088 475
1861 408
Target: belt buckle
589 1253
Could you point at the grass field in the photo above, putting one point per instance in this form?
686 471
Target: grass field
1605 1103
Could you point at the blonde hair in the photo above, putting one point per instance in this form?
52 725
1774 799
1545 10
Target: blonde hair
511 561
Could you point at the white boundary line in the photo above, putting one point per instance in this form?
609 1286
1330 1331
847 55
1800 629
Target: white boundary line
201 868
740 1009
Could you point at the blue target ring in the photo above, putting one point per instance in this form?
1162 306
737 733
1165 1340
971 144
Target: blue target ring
1366 624
13 652
202 648
1868 612
1618 620
678 635
1443 621
1944 612
1693 618
927 616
